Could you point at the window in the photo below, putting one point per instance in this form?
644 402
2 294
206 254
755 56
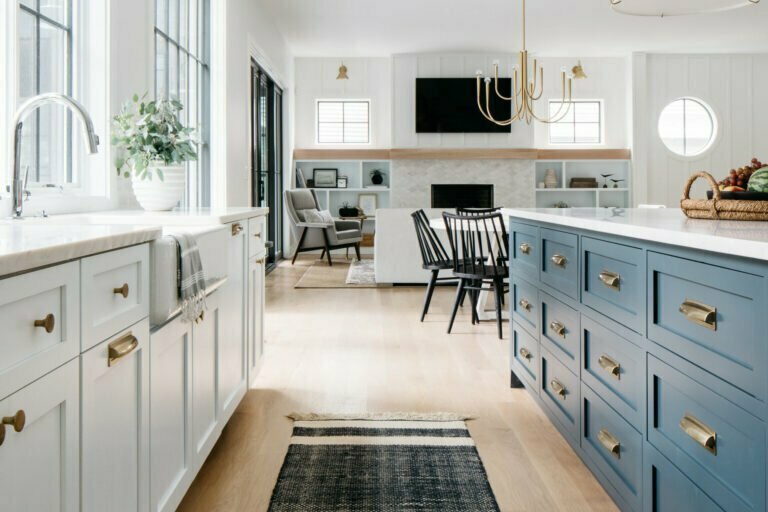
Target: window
582 124
182 71
343 122
44 51
687 127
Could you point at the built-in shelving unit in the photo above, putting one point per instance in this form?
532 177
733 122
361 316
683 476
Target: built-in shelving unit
359 182
565 170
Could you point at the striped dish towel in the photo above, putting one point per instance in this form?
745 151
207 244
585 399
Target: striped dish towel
190 278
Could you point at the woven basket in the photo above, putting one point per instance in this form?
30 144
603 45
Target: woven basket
718 208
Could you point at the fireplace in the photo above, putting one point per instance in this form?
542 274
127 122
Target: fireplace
462 196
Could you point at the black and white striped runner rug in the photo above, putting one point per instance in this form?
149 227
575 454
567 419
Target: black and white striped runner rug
382 463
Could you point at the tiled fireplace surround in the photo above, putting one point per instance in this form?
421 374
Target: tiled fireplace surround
412 181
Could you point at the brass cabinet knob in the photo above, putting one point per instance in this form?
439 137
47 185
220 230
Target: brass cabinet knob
237 228
610 279
123 290
18 420
525 248
558 328
48 323
525 304
609 442
699 313
559 260
525 353
558 388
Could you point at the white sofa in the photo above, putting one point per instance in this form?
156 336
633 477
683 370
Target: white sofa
397 255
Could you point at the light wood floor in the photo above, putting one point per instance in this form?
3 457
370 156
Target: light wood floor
353 350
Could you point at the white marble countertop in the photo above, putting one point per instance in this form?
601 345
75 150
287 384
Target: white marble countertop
663 225
25 246
179 217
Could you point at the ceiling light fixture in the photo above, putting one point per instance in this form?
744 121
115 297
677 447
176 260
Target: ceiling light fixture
664 8
525 91
342 73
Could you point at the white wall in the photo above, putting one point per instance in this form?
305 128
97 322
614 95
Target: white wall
369 79
733 85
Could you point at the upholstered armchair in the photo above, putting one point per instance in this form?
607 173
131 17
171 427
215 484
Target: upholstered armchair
315 229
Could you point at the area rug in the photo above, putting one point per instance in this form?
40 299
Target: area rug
396 462
362 272
320 275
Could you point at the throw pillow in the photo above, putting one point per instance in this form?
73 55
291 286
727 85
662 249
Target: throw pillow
302 214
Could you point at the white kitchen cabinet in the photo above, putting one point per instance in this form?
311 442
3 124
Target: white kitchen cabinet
206 342
232 349
41 462
172 466
115 422
256 296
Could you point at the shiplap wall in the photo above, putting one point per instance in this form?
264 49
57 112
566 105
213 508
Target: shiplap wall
369 78
735 86
407 68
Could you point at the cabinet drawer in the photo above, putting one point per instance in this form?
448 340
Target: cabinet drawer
525 304
718 445
666 489
525 357
40 318
257 235
614 281
115 422
614 446
115 291
560 330
560 393
710 315
614 368
560 261
524 250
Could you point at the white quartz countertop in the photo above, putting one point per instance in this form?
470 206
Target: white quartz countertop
25 246
663 225
179 217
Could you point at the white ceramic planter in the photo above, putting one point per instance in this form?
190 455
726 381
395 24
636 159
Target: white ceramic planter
160 195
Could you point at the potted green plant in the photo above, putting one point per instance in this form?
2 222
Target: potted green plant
153 147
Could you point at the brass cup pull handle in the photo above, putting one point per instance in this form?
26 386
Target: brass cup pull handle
610 365
559 260
123 290
558 388
525 304
237 228
120 348
48 323
558 328
610 279
525 353
525 248
699 432
700 313
609 442
200 317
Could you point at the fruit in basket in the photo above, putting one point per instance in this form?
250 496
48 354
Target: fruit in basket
733 189
741 177
758 182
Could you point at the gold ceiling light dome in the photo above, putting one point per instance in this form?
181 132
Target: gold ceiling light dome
578 72
527 88
342 73
664 8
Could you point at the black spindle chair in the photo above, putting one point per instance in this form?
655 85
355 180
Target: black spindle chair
476 211
433 255
478 244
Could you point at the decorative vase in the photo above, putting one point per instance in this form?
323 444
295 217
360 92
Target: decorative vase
550 178
377 179
157 195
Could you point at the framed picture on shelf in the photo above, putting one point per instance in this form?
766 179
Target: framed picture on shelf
367 203
341 182
325 178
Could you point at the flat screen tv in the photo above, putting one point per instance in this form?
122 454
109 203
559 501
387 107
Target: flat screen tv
449 105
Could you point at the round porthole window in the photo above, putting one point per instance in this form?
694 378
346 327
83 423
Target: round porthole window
687 127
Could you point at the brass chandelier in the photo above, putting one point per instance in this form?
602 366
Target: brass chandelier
525 91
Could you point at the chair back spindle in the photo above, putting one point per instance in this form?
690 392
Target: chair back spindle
433 253
478 245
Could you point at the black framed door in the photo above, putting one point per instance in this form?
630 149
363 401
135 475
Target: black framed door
267 155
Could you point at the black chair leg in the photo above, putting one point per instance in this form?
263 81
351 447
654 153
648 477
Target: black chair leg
322 254
430 290
498 288
357 251
473 300
298 246
459 295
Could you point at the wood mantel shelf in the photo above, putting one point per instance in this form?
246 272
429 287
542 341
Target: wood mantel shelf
462 154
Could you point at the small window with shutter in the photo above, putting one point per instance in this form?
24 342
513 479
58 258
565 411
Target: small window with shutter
343 122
